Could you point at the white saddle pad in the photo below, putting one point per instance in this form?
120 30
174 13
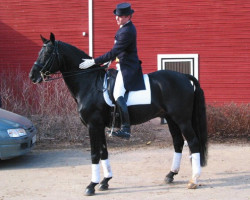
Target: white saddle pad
139 97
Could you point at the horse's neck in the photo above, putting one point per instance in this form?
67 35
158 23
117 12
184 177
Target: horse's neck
82 86
71 63
72 57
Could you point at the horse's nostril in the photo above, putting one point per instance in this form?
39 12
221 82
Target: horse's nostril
30 75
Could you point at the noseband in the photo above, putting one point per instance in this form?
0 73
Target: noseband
45 71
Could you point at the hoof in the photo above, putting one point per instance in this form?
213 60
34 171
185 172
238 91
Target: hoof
192 185
103 186
89 191
168 180
170 177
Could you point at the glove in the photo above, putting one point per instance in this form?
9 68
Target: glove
86 63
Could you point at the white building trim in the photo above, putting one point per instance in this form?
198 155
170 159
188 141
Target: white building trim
90 10
192 58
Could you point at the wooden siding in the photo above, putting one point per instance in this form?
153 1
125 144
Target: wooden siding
217 30
22 22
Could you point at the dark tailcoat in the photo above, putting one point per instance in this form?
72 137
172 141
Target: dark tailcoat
125 50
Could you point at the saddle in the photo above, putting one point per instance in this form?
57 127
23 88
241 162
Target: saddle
141 97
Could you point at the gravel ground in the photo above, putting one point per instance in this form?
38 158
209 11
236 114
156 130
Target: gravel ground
138 173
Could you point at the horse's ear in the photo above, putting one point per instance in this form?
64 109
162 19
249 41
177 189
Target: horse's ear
43 39
52 38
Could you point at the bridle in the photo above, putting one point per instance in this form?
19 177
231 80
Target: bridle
45 71
46 68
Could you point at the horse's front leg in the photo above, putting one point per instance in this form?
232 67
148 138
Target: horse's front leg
95 134
106 165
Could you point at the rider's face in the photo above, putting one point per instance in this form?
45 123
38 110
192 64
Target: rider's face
121 20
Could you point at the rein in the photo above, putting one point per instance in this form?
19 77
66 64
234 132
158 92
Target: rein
45 71
47 78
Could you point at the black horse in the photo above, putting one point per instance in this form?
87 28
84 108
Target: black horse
173 97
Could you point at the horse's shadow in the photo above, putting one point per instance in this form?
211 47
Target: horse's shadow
146 188
238 179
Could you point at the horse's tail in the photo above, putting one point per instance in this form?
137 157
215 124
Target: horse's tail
199 119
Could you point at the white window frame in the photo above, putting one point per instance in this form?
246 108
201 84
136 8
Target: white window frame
192 58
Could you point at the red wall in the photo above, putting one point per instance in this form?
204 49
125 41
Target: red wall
22 22
216 30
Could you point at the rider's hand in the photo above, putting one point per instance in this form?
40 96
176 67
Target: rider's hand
86 63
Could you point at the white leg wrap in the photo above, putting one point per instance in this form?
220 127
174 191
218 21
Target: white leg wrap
95 173
176 162
196 167
106 168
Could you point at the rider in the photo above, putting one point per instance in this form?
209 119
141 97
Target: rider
129 77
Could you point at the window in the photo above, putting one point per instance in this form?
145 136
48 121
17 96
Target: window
184 63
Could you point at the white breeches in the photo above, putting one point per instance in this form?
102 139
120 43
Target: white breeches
119 89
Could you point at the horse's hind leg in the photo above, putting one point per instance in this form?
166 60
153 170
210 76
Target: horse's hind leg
178 142
193 144
106 166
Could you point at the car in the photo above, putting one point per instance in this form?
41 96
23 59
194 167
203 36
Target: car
17 135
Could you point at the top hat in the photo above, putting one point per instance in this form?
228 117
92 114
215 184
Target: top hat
123 9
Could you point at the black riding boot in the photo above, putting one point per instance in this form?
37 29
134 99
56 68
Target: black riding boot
125 123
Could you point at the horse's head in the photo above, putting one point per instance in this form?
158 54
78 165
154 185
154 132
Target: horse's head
47 62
